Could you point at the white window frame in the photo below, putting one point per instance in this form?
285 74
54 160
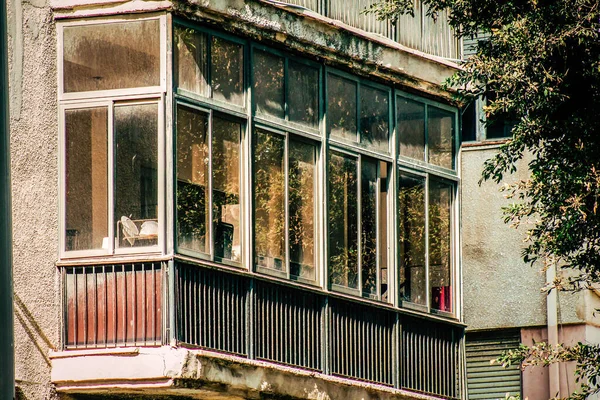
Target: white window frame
110 104
161 88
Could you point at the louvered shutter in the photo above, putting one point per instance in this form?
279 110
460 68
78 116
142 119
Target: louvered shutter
491 381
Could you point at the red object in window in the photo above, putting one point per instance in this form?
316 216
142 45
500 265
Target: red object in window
441 298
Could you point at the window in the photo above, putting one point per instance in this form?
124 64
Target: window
117 188
111 145
426 196
357 193
284 205
208 184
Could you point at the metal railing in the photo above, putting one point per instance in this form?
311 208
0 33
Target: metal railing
432 35
249 316
113 305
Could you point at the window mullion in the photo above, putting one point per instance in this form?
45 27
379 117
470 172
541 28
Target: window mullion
286 87
111 178
211 242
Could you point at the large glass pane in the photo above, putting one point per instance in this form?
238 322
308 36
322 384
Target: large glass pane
86 180
268 84
227 71
269 200
374 117
111 56
369 226
411 128
136 176
440 272
411 220
190 60
301 178
303 94
343 220
341 107
440 130
192 180
226 188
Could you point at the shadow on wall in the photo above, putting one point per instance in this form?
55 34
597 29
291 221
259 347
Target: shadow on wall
33 330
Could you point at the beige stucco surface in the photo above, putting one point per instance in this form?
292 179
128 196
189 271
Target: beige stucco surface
500 290
34 139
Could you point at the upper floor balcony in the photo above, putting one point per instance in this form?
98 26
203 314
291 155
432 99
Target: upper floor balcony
249 212
430 34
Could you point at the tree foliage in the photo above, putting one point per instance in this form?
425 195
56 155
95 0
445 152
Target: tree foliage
540 66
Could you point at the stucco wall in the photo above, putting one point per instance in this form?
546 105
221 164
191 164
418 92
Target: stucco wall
500 290
34 140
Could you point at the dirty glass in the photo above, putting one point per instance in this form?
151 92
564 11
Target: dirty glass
226 137
227 71
343 220
411 231
303 94
374 118
135 175
111 56
86 180
192 180
440 273
368 210
301 178
411 128
190 60
269 200
268 79
440 132
341 107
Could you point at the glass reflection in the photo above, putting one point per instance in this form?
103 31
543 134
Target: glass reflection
343 220
411 128
440 131
341 107
301 178
268 84
303 94
411 220
192 180
374 117
269 200
190 60
226 188
369 226
440 277
227 71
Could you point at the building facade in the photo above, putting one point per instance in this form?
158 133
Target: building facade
234 199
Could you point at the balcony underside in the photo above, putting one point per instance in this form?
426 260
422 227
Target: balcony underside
199 374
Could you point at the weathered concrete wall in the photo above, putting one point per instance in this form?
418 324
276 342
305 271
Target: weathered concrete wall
500 290
34 142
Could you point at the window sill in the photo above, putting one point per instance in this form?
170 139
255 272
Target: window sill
116 259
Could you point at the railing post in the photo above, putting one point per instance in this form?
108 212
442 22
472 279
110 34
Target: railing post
7 378
325 336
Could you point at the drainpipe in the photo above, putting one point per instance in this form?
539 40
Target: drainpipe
552 310
7 371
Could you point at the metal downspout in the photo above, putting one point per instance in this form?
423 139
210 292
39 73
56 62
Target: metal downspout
7 372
